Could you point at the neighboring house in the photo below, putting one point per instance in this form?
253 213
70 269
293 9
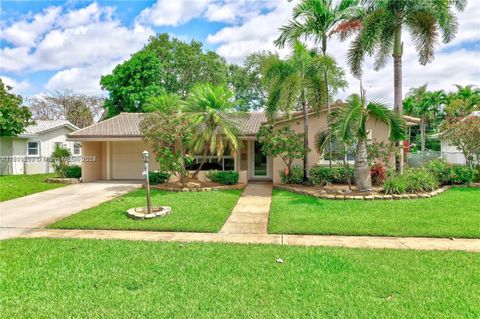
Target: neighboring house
115 146
449 152
28 152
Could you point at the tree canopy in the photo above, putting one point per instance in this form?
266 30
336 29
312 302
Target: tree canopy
14 117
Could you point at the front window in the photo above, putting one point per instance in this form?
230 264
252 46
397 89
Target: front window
33 149
226 163
339 153
77 148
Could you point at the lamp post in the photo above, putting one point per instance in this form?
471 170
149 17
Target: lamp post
145 157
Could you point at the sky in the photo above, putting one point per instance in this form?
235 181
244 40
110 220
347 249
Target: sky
50 45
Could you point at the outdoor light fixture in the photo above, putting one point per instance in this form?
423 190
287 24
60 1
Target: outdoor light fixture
145 157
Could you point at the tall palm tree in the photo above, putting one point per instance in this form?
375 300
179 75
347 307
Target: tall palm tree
215 134
349 125
381 33
317 20
297 83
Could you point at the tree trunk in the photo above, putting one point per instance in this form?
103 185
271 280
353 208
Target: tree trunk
362 171
397 83
327 98
422 139
305 137
199 168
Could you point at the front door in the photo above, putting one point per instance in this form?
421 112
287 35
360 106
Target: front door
260 162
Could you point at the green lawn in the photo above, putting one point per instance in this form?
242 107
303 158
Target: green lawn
68 278
195 211
13 186
455 213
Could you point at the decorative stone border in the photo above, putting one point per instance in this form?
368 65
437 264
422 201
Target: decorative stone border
60 180
141 212
365 197
198 189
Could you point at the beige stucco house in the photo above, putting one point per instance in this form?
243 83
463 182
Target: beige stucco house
114 147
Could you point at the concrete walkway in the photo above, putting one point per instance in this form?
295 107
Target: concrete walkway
19 215
472 245
250 215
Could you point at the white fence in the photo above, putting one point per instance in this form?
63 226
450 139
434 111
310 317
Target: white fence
17 165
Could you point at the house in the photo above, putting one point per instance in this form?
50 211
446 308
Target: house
28 153
450 152
114 146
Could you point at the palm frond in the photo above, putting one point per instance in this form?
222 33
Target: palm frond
424 31
396 125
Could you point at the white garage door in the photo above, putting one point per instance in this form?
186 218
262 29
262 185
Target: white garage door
127 160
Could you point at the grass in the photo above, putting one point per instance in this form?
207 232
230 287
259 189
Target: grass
455 213
191 212
14 186
70 278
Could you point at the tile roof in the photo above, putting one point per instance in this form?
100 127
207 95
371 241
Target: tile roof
128 125
46 125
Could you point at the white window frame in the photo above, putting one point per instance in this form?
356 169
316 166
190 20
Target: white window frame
79 149
37 148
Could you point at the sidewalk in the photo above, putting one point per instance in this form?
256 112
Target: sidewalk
472 245
250 215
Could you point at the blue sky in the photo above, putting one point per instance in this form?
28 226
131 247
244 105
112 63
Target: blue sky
49 45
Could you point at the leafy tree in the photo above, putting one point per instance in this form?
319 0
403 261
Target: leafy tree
13 116
349 124
246 82
186 64
132 83
213 132
465 135
169 134
284 143
381 33
79 109
298 83
463 102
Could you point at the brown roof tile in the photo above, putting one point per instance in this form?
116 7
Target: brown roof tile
128 125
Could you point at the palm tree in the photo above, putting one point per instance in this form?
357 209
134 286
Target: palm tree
297 83
463 102
317 20
215 134
349 125
381 33
165 103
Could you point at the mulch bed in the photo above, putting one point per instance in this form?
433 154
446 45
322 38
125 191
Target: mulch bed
194 185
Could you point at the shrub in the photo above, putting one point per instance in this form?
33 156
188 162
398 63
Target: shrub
394 185
338 175
60 159
223 177
378 172
156 178
447 174
73 171
295 176
412 181
462 175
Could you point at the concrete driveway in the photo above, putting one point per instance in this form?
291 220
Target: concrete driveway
19 215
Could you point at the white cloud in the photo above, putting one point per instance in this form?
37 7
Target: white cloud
26 32
233 11
172 12
17 87
81 79
256 33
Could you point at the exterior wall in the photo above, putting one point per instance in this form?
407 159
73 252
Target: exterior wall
451 153
92 165
127 160
318 122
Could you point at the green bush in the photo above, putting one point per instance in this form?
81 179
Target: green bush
337 175
447 174
224 177
73 171
412 181
156 178
295 176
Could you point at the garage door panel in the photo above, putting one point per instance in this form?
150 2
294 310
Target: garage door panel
127 160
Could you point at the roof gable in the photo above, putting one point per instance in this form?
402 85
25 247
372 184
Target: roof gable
43 126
